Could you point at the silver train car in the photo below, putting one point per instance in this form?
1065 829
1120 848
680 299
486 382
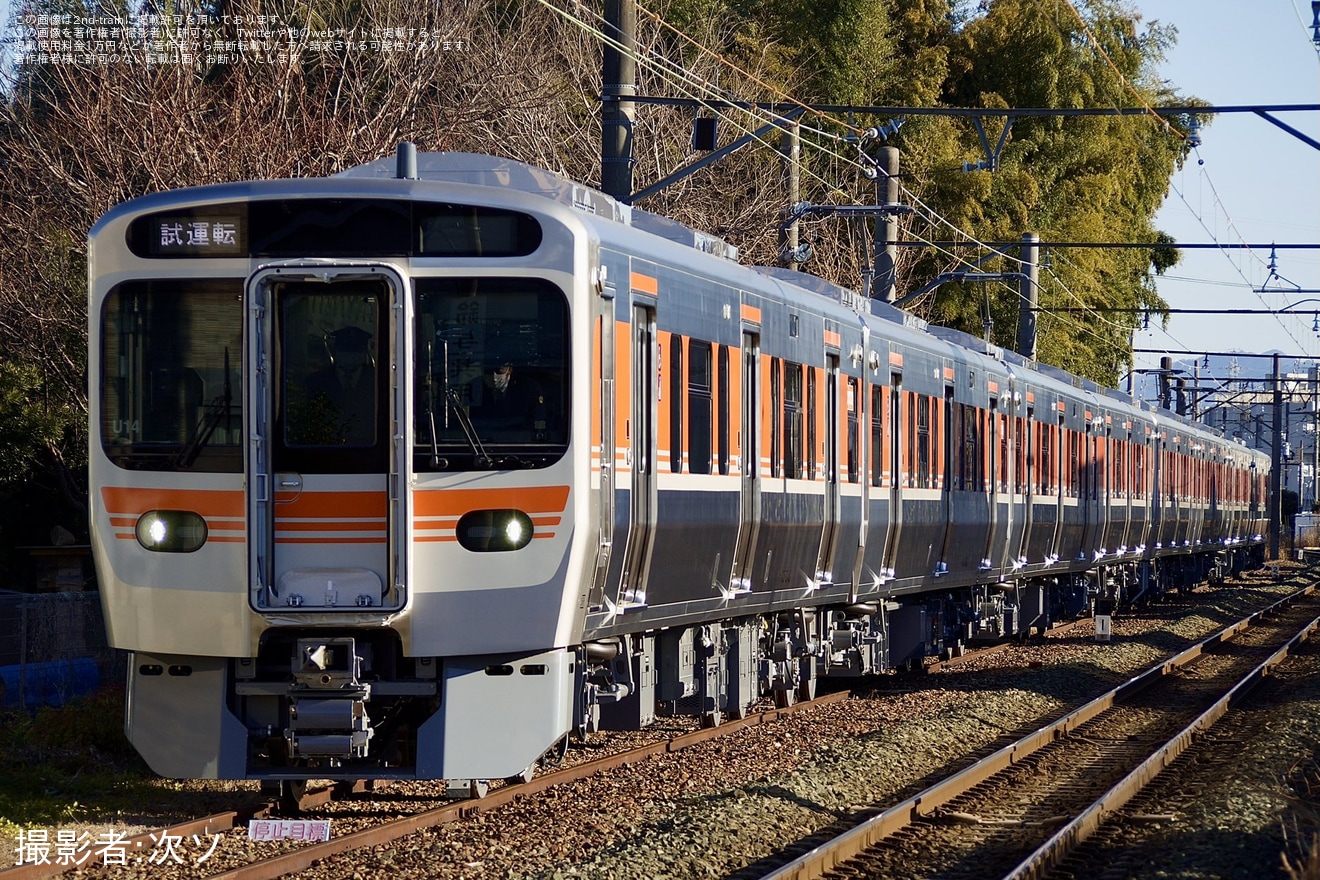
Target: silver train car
417 471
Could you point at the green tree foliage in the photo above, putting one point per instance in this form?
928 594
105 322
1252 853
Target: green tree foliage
819 51
30 429
1084 178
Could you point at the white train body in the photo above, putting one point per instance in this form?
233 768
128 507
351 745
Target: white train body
337 546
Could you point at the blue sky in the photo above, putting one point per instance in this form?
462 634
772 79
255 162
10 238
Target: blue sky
1234 53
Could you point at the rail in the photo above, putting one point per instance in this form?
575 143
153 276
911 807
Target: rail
924 805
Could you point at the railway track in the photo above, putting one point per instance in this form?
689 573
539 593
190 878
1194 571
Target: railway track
307 854
1019 812
297 856
311 800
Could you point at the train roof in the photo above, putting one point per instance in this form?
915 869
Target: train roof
475 169
495 171
481 170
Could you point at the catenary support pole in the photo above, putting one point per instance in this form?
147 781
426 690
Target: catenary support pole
1276 465
791 146
1029 295
617 109
886 228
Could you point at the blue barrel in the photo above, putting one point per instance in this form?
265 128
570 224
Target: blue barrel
52 683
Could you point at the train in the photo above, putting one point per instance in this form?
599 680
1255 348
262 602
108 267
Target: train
420 470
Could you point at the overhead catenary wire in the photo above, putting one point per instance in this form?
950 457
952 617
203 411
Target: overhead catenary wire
1133 89
715 97
718 102
1201 220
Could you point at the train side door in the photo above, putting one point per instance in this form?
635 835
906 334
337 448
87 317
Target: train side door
898 429
323 462
825 559
642 446
1089 496
861 435
749 463
604 365
1027 460
993 475
1059 445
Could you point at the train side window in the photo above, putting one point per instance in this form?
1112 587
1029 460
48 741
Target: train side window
877 435
1099 472
1139 471
676 343
1045 432
830 447
792 420
776 419
853 428
954 479
908 419
945 444
1019 456
1069 463
811 424
973 459
1121 466
171 383
699 406
1002 425
723 439
923 441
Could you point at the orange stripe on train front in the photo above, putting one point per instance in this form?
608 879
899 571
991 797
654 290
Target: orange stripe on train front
456 502
327 541
330 525
207 502
330 505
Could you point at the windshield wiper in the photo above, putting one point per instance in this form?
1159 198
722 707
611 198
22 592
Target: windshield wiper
217 409
464 420
469 430
430 401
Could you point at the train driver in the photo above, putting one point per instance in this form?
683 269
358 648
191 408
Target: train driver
346 389
504 400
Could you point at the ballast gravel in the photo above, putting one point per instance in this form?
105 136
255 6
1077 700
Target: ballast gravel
732 806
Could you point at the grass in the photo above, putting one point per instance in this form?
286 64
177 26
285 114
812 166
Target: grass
1301 859
61 759
73 767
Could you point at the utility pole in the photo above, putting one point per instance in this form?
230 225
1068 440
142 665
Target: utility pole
1315 440
1029 296
886 228
1276 465
1166 372
617 108
791 145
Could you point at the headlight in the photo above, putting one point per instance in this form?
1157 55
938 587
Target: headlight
171 531
484 531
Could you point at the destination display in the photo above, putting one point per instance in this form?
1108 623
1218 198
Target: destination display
320 227
193 236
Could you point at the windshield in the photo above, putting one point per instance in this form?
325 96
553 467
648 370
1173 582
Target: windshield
171 391
492 373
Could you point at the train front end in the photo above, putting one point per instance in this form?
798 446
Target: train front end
333 465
